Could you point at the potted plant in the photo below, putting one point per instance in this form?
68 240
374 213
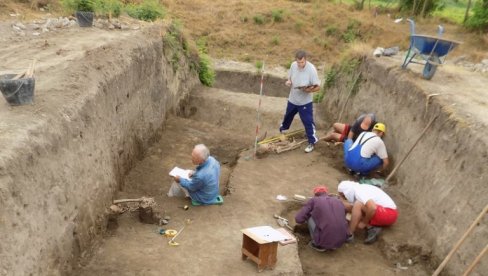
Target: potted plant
83 10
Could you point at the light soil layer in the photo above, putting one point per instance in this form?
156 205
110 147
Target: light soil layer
100 98
445 176
211 244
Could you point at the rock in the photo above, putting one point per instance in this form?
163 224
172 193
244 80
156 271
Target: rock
35 26
135 28
485 62
36 33
124 27
111 27
17 29
45 30
459 59
478 67
20 25
167 218
65 22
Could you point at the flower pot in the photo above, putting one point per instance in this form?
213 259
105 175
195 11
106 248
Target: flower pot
85 19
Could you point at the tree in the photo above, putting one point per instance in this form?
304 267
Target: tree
479 19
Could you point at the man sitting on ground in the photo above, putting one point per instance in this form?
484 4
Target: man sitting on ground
368 152
342 131
369 206
203 185
326 218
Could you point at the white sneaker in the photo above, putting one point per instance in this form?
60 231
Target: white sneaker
309 148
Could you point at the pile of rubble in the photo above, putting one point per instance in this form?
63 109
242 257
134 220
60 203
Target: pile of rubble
481 67
38 27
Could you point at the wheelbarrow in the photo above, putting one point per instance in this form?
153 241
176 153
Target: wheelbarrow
432 49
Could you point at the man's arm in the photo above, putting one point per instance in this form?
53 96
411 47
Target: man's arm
194 184
304 214
386 162
312 88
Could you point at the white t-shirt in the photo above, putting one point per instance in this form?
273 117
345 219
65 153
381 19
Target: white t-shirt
373 146
365 192
302 77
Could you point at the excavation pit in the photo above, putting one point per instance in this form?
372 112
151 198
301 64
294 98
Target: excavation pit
114 134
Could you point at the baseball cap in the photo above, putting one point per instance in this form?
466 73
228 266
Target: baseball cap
320 189
380 127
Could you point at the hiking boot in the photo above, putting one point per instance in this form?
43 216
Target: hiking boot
309 148
372 234
316 248
350 238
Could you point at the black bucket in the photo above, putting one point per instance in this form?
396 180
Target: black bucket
85 19
17 92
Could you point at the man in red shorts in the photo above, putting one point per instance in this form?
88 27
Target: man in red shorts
342 131
370 208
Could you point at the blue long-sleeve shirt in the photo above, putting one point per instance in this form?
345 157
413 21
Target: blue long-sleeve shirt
203 186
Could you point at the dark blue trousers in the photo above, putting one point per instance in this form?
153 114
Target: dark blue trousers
306 115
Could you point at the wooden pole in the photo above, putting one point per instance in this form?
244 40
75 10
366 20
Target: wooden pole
410 150
476 261
458 244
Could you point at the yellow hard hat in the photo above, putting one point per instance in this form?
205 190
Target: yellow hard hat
380 127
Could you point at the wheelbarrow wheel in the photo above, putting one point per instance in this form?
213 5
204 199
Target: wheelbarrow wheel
430 67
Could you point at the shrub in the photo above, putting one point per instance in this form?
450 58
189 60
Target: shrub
277 15
275 40
258 19
78 5
108 8
206 74
149 10
352 31
479 19
259 65
331 30
205 70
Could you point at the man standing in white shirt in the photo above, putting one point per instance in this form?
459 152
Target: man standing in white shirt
370 208
368 152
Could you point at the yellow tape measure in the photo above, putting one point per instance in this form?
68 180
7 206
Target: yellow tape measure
170 233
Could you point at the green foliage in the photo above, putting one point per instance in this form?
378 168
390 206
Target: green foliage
78 5
330 78
277 15
108 7
148 10
258 19
205 70
259 65
407 6
479 19
350 65
352 31
206 73
275 40
331 30
298 26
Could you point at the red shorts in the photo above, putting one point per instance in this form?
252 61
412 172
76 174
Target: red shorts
344 134
384 216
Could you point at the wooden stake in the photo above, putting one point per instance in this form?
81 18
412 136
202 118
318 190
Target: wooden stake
476 261
458 244
410 150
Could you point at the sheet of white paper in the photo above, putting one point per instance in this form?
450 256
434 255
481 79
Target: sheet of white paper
180 172
267 233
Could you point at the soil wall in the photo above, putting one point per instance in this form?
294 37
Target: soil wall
445 175
61 165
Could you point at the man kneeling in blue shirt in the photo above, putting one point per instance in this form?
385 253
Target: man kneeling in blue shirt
203 185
